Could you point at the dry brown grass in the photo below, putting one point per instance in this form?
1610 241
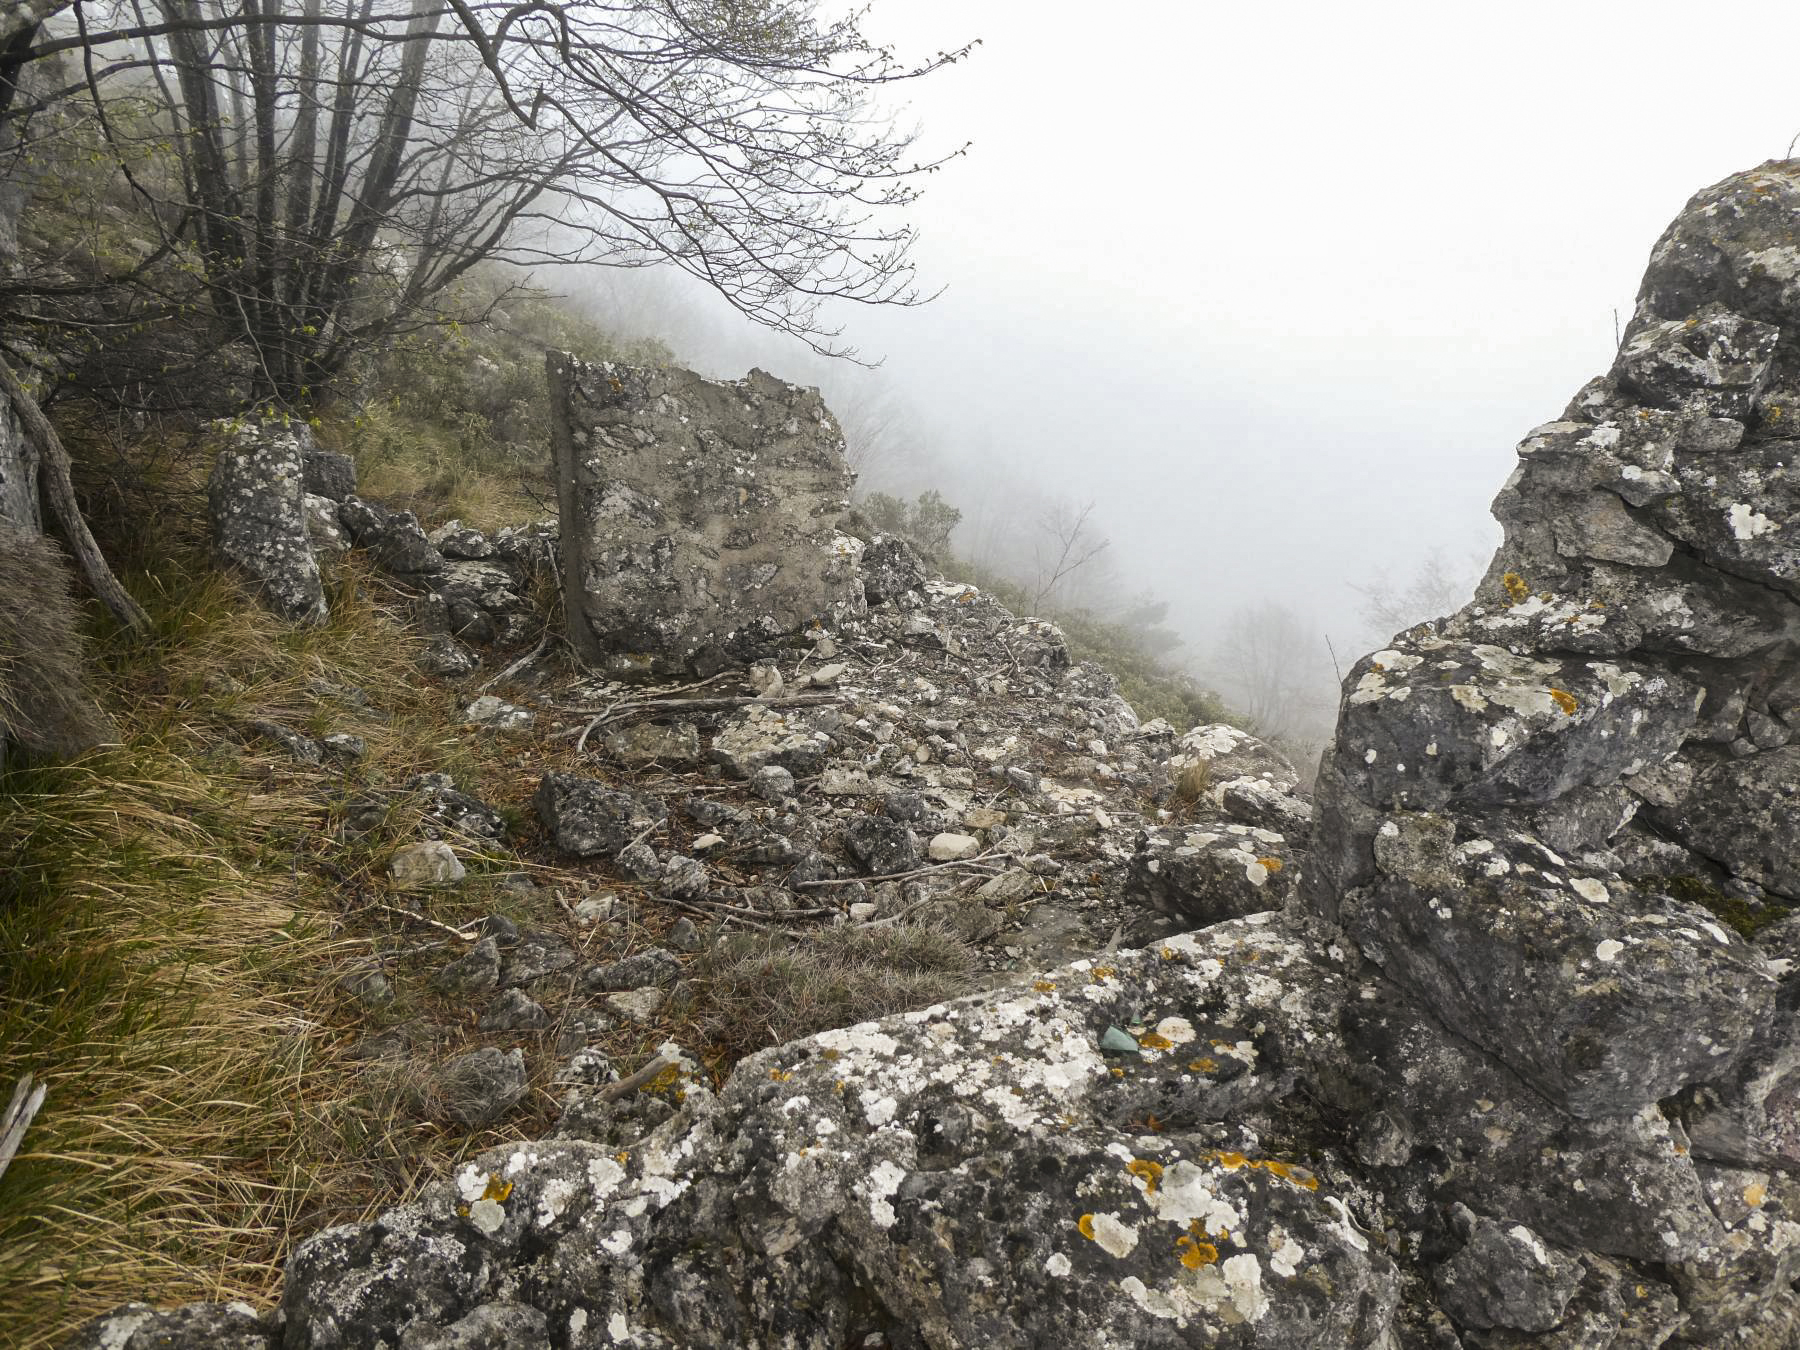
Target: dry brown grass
169 947
764 989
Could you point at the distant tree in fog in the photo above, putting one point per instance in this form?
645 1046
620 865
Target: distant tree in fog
1438 588
1271 666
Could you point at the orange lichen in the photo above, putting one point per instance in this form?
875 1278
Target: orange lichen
1563 699
1195 1253
1150 1173
1273 863
1045 986
1230 1161
1104 972
779 1075
496 1189
1168 953
1085 1226
1203 1065
664 1080
1154 1040
1517 591
829 1054
1754 1194
1118 1073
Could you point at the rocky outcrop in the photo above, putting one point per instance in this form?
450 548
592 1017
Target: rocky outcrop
1556 818
701 520
257 510
1493 1046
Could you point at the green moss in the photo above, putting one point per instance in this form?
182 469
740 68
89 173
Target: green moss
1746 919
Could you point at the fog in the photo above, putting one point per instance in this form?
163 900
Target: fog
1277 288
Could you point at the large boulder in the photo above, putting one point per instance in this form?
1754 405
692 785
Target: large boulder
1630 660
256 505
700 519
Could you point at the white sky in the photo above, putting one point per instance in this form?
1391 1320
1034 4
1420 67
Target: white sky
1280 285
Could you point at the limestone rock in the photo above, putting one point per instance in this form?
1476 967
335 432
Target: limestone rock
328 474
891 569
699 519
587 817
198 1326
676 746
256 509
429 864
444 655
393 538
760 738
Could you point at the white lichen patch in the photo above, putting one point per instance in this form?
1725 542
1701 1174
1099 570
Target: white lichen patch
1747 523
1609 949
1591 889
884 1180
488 1216
1057 1265
1113 1236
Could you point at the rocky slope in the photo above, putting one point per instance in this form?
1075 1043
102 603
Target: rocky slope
1501 1053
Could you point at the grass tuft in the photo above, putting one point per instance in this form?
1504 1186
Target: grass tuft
764 989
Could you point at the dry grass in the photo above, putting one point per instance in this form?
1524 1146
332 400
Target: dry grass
764 989
1193 782
169 944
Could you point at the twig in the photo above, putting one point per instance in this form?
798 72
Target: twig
916 872
626 1086
518 665
456 933
711 704
581 741
19 1112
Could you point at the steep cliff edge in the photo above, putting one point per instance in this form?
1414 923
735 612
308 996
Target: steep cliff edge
1499 1052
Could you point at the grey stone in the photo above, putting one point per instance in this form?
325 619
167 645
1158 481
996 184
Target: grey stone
198 1326
953 847
676 746
881 845
699 519
514 1010
1505 1276
683 936
456 540
683 877
328 474
393 538
323 530
480 1087
429 864
444 655
656 966
761 737
497 715
474 972
493 1326
535 954
343 746
255 507
586 817
772 783
636 1005
890 569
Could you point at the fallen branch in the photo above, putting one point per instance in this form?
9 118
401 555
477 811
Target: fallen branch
59 492
19 1113
518 665
916 872
456 933
626 1086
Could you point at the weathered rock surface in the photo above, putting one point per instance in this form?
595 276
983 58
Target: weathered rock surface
256 508
700 519
1496 1057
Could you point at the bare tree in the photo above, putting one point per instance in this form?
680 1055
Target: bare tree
1270 665
1436 589
1066 545
342 164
